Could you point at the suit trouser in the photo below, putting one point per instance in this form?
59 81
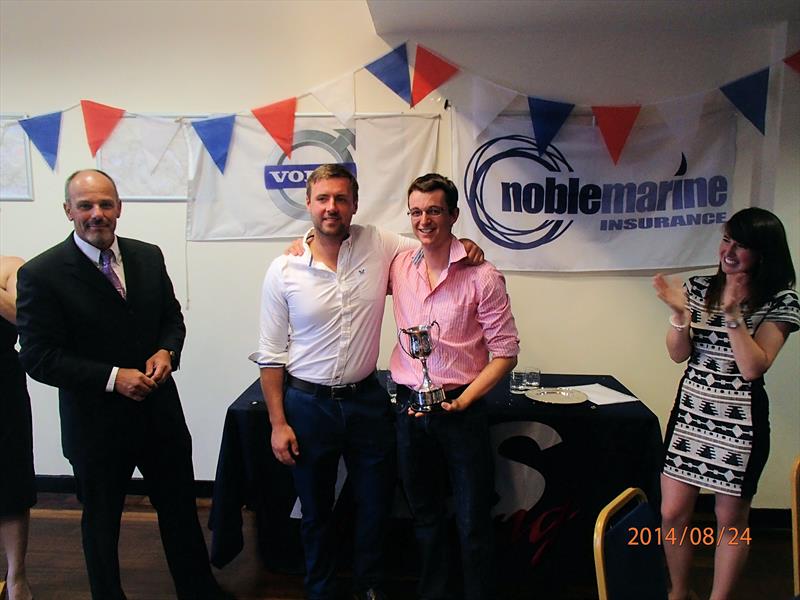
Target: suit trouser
432 450
169 477
358 428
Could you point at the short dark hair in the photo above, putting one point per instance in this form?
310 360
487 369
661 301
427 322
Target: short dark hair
78 172
763 233
332 171
432 182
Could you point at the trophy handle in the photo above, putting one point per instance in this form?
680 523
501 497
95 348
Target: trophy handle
400 341
438 334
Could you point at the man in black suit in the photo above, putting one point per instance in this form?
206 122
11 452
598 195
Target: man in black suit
106 329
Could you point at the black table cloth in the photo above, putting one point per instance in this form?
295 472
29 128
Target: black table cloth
556 467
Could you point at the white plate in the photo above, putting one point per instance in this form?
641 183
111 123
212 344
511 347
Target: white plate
557 395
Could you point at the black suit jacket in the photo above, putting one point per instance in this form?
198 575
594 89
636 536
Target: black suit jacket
74 327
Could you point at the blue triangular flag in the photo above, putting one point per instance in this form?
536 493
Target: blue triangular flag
392 70
749 95
216 133
547 118
44 132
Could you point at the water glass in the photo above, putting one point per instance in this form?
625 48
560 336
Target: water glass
517 382
533 379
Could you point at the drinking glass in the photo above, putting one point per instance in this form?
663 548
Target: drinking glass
533 379
517 382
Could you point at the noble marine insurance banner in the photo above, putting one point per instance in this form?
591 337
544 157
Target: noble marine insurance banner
570 208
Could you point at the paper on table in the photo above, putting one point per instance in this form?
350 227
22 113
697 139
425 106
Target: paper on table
600 394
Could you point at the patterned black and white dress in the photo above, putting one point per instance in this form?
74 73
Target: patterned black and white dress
718 433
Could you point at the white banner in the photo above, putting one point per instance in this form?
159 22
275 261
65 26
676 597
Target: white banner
572 209
262 193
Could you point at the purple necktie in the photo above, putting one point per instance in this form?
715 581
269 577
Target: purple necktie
105 266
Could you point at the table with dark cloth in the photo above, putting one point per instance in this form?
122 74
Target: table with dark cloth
556 467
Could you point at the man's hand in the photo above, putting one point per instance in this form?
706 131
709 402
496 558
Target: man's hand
159 366
133 384
295 248
474 252
415 413
455 405
284 444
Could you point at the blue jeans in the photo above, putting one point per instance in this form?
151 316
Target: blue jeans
430 451
358 428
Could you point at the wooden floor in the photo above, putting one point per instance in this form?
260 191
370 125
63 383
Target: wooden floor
56 568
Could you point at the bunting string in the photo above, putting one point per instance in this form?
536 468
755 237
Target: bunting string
480 99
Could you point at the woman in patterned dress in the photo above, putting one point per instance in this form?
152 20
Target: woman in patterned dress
730 326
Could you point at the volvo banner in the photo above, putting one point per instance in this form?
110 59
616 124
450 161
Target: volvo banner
262 193
568 207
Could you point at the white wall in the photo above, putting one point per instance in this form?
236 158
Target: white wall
206 57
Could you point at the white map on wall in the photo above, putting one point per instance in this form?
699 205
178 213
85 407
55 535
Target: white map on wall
124 156
15 170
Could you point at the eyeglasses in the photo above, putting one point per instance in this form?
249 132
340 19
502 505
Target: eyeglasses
431 211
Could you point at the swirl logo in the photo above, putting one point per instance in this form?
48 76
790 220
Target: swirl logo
286 182
500 221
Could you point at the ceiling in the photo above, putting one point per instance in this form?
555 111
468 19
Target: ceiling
402 17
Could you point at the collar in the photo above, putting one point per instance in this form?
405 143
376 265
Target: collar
310 234
93 253
306 247
457 253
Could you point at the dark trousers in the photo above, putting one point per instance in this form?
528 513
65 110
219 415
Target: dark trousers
432 450
357 427
169 480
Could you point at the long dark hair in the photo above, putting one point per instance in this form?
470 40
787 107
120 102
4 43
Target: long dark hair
763 233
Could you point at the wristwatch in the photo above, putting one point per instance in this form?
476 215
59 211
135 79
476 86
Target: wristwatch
173 357
734 323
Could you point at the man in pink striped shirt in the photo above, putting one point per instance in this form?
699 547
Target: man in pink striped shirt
477 347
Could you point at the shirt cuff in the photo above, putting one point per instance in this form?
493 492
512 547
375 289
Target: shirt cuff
269 359
112 379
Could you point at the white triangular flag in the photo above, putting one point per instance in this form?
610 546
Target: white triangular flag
4 124
682 115
339 97
155 135
478 99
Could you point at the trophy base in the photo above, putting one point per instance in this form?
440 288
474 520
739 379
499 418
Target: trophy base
427 401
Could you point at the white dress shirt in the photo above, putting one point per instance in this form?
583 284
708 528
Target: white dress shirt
325 326
93 254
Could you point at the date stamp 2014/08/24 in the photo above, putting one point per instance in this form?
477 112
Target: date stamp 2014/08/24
696 536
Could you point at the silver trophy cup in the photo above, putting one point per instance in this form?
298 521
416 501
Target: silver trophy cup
428 397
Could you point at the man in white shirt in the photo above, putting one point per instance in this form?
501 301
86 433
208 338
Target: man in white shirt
319 384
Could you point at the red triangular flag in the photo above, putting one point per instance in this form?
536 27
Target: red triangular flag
430 72
793 61
615 123
99 120
278 120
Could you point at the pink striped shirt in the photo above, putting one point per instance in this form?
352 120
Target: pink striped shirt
472 308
